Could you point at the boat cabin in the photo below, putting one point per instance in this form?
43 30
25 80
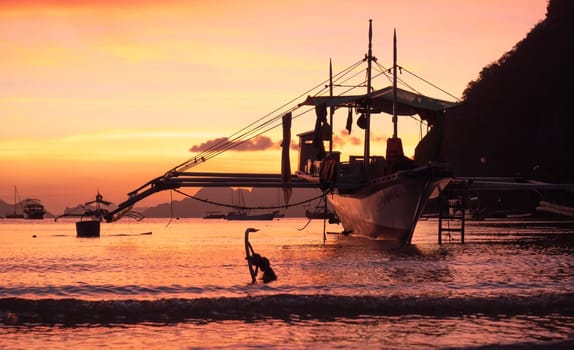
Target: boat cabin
310 155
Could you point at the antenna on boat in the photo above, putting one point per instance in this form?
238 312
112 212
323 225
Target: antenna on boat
395 119
369 57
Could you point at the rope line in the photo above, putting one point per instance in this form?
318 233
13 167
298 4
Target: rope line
284 206
170 208
231 141
309 219
272 120
431 84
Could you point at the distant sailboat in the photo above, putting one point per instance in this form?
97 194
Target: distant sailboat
240 213
214 215
15 214
32 209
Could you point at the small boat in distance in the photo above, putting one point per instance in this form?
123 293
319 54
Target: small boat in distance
240 211
33 209
93 213
243 215
321 214
214 215
15 214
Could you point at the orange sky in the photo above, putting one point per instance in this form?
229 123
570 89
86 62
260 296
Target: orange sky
99 95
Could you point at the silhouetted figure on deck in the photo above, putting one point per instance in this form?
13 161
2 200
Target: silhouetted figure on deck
263 263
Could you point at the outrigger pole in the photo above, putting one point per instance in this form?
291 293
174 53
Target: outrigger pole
176 180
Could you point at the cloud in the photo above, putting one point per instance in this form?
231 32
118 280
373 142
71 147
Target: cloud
262 143
343 138
259 143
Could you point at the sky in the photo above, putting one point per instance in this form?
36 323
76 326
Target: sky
106 95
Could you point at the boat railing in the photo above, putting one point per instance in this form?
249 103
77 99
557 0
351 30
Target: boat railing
355 168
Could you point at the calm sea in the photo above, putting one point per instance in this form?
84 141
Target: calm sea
184 284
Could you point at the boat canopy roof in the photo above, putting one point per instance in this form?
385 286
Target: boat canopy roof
408 103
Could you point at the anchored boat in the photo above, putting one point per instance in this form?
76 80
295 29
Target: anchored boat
15 214
214 215
92 214
376 196
321 213
31 209
240 213
34 209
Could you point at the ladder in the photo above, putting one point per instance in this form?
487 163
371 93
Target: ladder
451 217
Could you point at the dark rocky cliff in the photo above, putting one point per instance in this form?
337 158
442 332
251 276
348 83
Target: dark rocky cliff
517 118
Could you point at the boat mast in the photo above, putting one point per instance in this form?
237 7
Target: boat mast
395 120
15 195
331 109
369 57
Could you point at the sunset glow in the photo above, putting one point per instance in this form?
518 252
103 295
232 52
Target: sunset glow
107 95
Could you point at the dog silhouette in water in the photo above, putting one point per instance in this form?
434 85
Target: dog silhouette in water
262 263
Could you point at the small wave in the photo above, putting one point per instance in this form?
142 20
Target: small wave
99 291
283 306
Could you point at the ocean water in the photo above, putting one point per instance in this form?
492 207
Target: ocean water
184 284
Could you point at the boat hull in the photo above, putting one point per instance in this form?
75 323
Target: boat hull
387 211
34 210
245 217
88 228
37 215
322 215
214 216
14 216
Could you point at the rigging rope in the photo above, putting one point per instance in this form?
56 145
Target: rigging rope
309 219
285 206
170 208
240 136
431 84
271 120
254 130
387 73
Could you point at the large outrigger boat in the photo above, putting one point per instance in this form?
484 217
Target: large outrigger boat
373 195
376 196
